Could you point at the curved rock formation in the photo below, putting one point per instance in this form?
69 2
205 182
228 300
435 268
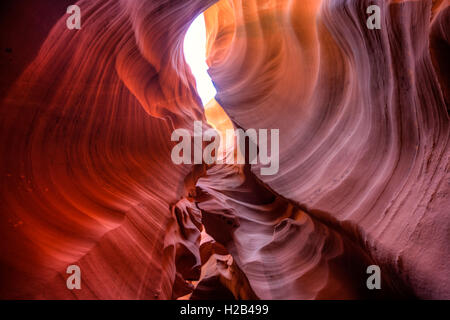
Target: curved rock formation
362 115
87 176
86 171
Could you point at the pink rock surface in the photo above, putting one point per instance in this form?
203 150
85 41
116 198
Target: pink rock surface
363 121
87 176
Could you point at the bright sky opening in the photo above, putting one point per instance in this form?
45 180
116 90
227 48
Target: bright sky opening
195 54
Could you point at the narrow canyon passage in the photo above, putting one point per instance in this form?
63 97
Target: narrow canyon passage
284 252
88 177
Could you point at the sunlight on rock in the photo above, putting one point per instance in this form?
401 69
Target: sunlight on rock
195 54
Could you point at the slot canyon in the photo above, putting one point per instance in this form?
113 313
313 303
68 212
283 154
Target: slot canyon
87 177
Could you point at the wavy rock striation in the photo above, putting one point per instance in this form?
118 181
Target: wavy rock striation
363 121
87 176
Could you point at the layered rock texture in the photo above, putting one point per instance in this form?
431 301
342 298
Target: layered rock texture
85 154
